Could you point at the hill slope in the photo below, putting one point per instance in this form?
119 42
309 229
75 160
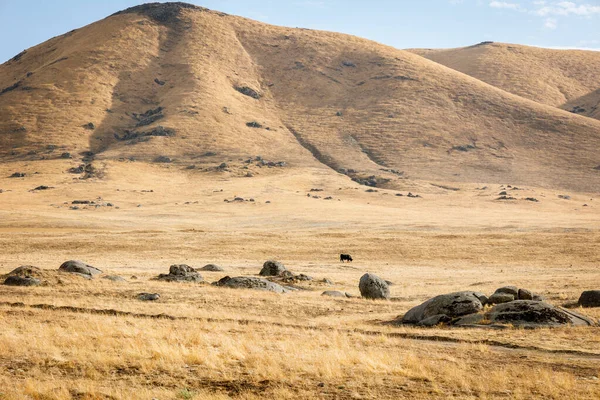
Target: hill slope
160 80
552 77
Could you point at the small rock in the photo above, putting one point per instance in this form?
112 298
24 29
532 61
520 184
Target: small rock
244 282
212 267
79 267
499 298
333 293
114 278
148 296
525 294
15 280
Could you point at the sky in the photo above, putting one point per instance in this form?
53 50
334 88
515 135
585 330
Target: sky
402 24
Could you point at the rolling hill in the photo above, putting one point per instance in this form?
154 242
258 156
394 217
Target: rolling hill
554 77
203 87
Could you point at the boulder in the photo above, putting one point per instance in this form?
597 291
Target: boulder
15 280
245 282
509 289
79 267
373 287
212 268
590 298
499 298
525 294
181 273
528 313
272 268
452 305
26 270
148 296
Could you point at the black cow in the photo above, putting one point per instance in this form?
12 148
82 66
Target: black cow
345 257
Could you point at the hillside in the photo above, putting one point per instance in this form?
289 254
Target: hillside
160 80
547 76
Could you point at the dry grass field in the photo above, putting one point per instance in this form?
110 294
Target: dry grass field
82 339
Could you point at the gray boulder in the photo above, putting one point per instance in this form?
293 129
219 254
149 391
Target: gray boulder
212 268
15 280
528 313
373 287
272 268
590 298
471 319
499 298
525 294
181 273
80 268
148 296
509 289
246 282
452 305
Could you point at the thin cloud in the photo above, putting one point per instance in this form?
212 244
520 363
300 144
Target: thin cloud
566 8
505 5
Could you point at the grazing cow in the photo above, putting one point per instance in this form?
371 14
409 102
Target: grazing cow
345 257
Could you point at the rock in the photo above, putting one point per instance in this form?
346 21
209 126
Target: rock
373 287
499 298
453 305
212 267
245 90
537 297
272 268
159 82
508 289
148 296
79 267
15 280
163 159
18 175
245 282
527 313
333 293
114 278
90 126
41 187
66 155
303 277
327 281
590 298
435 320
525 294
253 124
181 273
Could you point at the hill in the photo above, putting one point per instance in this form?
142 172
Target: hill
547 76
198 86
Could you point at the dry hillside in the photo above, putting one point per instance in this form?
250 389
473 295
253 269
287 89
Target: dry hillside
547 76
159 80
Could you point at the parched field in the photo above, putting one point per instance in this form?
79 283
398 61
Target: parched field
79 339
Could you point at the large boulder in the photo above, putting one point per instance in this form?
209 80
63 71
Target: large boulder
246 282
80 268
373 287
528 313
452 305
181 273
15 280
590 298
272 268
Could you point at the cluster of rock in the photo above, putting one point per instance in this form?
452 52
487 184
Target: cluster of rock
277 270
181 273
517 307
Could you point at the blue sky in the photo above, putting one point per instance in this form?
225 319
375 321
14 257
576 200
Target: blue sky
402 24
